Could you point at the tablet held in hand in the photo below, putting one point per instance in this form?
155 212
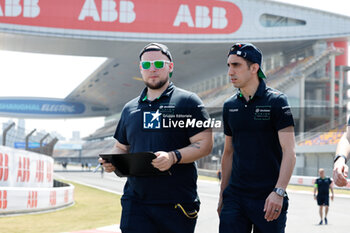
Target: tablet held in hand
134 164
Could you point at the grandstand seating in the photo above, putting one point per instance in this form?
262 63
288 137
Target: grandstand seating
331 137
99 141
216 96
215 91
94 148
106 131
286 70
277 78
65 153
286 76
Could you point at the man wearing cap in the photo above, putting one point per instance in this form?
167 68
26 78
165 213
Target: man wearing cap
258 157
340 169
156 204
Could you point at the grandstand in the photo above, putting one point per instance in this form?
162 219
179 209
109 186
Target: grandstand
331 137
305 56
320 121
99 141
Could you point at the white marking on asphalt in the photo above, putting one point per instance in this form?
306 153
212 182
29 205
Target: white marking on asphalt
90 185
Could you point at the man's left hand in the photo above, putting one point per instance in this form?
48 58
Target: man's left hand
340 173
163 161
273 206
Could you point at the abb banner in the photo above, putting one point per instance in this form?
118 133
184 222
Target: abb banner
19 168
22 200
125 16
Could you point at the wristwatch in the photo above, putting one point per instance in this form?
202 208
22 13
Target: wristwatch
280 192
178 156
340 156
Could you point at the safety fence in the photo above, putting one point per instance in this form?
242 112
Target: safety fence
17 136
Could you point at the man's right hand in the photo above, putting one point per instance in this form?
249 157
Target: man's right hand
219 206
340 173
107 166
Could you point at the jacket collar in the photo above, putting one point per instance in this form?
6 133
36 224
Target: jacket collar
166 93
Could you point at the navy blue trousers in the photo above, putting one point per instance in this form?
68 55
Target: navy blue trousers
156 218
242 215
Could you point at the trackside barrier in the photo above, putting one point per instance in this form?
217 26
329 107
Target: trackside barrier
15 200
20 168
27 185
310 181
296 180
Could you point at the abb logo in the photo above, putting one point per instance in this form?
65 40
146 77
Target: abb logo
66 196
39 175
14 8
3 199
202 17
53 198
49 172
4 167
32 199
126 16
108 11
23 173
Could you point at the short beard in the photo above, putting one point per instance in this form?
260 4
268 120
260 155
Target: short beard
157 85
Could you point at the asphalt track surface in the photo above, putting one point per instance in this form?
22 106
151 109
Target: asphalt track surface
302 214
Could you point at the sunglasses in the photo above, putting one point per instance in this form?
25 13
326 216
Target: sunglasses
157 64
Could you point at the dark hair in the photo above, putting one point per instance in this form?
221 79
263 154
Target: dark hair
249 63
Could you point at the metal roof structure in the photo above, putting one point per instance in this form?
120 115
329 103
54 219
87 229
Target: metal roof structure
198 34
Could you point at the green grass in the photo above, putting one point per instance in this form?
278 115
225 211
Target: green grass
93 208
207 178
300 187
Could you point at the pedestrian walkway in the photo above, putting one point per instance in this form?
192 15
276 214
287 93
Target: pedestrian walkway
106 229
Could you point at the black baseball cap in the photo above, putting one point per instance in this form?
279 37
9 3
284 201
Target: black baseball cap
157 47
250 52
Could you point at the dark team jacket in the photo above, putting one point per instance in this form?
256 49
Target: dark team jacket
144 125
254 127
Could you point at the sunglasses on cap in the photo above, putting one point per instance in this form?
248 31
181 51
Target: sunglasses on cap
157 64
156 47
239 49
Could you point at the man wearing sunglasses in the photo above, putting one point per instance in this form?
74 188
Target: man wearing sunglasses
157 204
258 157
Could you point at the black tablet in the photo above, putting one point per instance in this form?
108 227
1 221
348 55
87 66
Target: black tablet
134 164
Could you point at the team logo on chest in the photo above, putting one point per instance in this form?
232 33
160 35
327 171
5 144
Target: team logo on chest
152 120
262 113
